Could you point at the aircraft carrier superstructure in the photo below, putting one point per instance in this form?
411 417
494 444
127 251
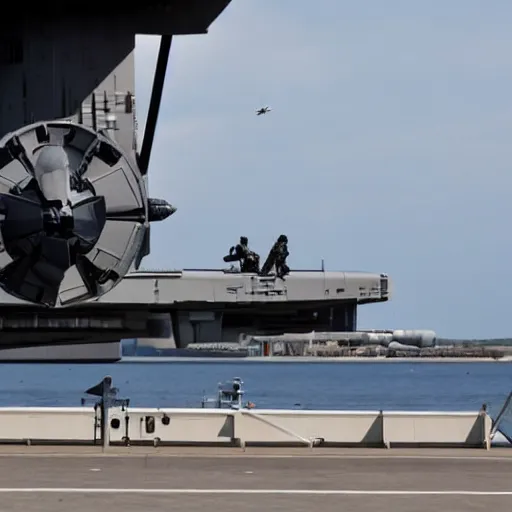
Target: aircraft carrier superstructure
73 176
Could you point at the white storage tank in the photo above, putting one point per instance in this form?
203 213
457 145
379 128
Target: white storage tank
379 338
417 338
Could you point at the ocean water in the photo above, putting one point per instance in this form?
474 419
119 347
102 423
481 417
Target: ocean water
336 385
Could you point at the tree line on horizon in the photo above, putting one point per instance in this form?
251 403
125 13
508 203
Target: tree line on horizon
496 342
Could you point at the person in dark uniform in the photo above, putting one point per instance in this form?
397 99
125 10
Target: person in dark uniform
282 253
249 260
277 257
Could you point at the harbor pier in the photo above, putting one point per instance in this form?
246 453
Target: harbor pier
242 428
229 455
230 421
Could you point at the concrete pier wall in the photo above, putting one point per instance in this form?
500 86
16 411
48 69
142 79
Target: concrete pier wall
51 425
246 427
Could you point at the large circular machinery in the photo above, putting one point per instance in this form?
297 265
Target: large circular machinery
73 213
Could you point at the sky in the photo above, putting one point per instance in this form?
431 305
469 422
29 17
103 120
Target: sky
388 149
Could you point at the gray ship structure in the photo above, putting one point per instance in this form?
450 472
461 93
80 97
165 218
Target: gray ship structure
75 211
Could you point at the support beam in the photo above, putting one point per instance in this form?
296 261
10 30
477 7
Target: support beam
154 104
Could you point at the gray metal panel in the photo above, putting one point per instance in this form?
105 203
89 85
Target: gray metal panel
118 88
97 352
61 65
217 286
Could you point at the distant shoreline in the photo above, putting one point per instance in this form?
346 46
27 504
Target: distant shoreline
302 359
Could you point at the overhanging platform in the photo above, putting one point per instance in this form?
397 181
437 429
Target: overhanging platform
203 286
198 306
210 286
161 17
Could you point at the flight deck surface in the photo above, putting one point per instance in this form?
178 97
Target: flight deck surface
191 479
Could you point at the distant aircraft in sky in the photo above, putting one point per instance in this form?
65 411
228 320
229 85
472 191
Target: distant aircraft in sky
263 110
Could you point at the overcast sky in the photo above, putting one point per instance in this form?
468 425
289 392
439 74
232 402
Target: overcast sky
388 149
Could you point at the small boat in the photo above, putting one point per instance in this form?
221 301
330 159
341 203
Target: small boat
229 396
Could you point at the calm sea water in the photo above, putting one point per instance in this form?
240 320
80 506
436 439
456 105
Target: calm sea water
391 386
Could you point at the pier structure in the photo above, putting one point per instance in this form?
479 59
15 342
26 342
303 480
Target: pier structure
234 423
228 456
244 427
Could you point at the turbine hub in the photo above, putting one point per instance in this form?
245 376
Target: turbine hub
73 213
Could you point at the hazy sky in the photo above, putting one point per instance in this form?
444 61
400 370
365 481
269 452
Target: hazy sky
388 149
